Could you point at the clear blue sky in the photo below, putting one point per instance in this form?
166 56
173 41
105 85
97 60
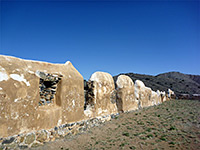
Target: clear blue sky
148 37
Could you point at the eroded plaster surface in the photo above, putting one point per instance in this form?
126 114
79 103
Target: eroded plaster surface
20 96
22 88
126 98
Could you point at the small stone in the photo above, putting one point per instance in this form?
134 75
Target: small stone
85 128
55 82
1 140
48 97
48 102
42 137
21 139
53 87
64 126
42 75
72 124
30 138
56 128
52 139
53 90
8 141
113 116
81 129
42 100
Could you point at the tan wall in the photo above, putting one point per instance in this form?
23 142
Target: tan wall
154 98
163 96
146 96
19 96
102 103
126 100
170 94
143 94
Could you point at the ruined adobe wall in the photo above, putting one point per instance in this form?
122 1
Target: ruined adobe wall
42 101
126 94
20 96
102 97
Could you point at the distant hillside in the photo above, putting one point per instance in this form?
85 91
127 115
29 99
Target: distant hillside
180 83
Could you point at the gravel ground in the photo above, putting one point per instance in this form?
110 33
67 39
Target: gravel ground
172 125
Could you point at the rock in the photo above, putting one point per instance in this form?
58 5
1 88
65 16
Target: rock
30 138
55 128
8 141
75 131
54 87
42 137
48 97
21 139
42 75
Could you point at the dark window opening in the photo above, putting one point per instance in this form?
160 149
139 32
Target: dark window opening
88 93
48 87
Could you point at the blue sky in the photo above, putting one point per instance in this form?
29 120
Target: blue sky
148 37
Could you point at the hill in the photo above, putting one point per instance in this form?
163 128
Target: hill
180 83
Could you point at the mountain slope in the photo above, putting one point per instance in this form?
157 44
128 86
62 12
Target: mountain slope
180 83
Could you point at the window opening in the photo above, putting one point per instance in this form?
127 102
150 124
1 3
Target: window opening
89 93
47 87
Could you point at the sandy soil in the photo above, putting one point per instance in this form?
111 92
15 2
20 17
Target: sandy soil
171 125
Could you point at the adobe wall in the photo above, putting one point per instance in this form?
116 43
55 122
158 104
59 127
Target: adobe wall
102 100
19 96
126 99
41 101
143 94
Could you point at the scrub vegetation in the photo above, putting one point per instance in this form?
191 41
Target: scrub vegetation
171 125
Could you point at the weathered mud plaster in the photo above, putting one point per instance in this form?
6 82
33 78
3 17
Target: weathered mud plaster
143 94
25 83
103 89
19 96
146 96
126 99
163 96
159 101
154 98
170 94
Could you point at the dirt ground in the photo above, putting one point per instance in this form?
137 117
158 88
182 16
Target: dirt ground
172 125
